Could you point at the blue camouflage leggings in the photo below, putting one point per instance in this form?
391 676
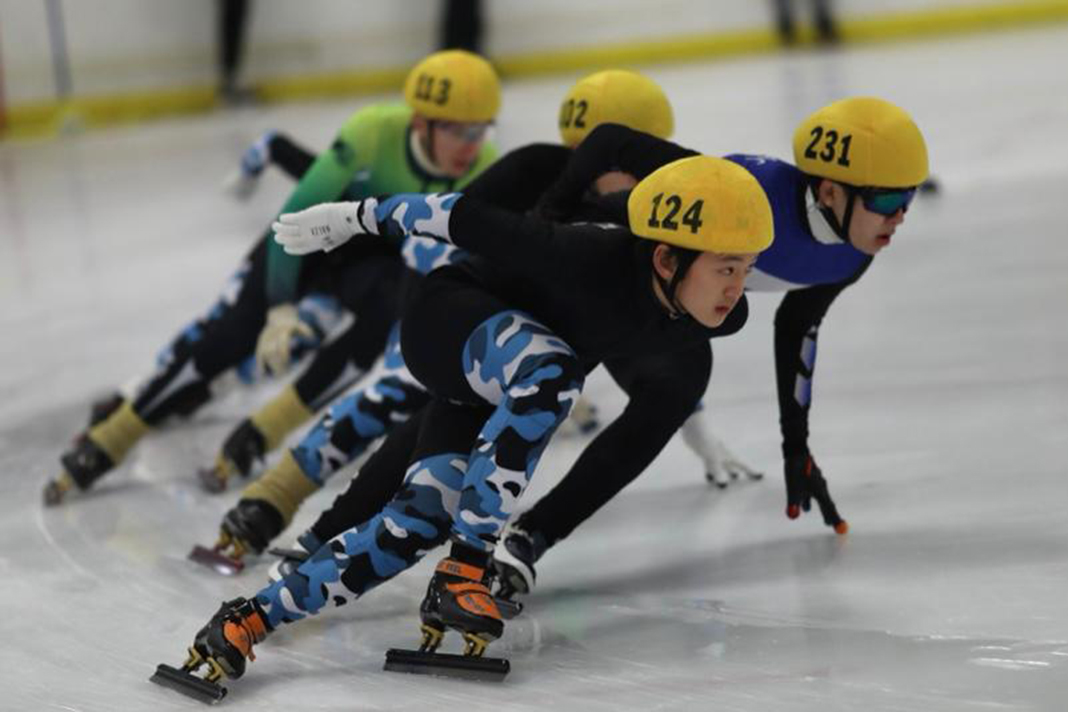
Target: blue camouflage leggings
357 419
474 458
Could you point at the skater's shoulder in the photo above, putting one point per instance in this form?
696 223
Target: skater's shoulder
768 170
377 119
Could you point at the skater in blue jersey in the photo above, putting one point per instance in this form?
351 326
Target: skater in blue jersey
859 162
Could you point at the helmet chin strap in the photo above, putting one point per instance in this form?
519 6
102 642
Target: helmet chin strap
424 154
841 229
683 260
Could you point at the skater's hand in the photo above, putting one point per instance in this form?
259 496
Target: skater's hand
804 482
274 343
723 465
325 226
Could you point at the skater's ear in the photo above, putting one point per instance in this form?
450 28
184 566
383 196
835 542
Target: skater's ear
665 261
421 126
827 192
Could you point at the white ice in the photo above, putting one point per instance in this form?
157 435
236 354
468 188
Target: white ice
940 419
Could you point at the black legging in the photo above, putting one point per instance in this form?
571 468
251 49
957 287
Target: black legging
371 288
227 335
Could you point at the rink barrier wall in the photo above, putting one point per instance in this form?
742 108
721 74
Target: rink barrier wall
75 113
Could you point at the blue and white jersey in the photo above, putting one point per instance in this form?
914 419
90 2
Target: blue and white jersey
796 258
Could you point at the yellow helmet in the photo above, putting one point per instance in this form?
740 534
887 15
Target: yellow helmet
862 141
454 85
702 203
615 96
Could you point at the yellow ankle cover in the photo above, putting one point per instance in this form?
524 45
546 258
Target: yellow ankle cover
284 486
119 432
280 417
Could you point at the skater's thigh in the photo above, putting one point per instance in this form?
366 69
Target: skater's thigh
439 319
449 428
367 282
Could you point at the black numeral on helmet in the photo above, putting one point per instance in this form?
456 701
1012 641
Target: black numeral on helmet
835 147
691 218
430 88
573 113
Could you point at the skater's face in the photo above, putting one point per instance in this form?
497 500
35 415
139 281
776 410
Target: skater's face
869 231
711 287
614 182
453 145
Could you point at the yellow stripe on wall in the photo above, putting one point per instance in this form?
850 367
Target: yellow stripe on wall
49 118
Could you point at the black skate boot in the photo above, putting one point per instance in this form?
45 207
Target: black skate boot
83 464
244 447
102 408
223 645
97 451
249 526
457 597
514 560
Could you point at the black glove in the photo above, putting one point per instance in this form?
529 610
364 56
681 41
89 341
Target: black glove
804 482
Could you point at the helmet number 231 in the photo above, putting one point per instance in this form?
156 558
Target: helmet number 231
673 204
832 147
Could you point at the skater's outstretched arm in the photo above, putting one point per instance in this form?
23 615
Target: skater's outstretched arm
326 180
518 178
525 244
663 392
797 323
609 147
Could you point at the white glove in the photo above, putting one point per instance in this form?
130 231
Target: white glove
726 466
325 226
721 465
272 346
241 185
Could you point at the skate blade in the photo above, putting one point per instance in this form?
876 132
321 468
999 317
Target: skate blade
56 490
463 667
211 481
188 684
508 608
216 561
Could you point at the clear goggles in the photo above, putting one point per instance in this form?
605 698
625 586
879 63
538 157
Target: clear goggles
467 131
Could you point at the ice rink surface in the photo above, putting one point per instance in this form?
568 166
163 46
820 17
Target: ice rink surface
940 419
